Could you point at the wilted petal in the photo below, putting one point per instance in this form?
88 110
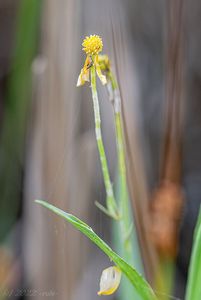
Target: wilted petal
84 74
110 280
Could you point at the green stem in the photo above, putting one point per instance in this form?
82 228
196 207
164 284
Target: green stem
111 203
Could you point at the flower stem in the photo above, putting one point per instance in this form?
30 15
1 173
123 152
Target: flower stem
110 200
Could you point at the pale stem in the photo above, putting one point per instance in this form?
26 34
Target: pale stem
110 201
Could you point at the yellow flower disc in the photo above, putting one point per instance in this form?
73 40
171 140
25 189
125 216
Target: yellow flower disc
92 44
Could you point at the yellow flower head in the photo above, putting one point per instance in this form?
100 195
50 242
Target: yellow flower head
92 44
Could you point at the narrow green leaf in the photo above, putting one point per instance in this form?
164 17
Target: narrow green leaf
194 276
136 279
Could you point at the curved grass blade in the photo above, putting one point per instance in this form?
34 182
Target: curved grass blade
140 284
194 276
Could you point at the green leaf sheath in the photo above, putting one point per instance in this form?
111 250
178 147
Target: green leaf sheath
126 222
124 201
142 287
111 203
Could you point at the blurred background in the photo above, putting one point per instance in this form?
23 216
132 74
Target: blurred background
48 148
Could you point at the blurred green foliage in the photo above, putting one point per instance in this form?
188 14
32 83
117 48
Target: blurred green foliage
16 113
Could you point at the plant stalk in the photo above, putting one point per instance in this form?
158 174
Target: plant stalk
110 200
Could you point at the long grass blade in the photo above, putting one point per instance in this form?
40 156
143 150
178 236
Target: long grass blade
193 291
142 287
